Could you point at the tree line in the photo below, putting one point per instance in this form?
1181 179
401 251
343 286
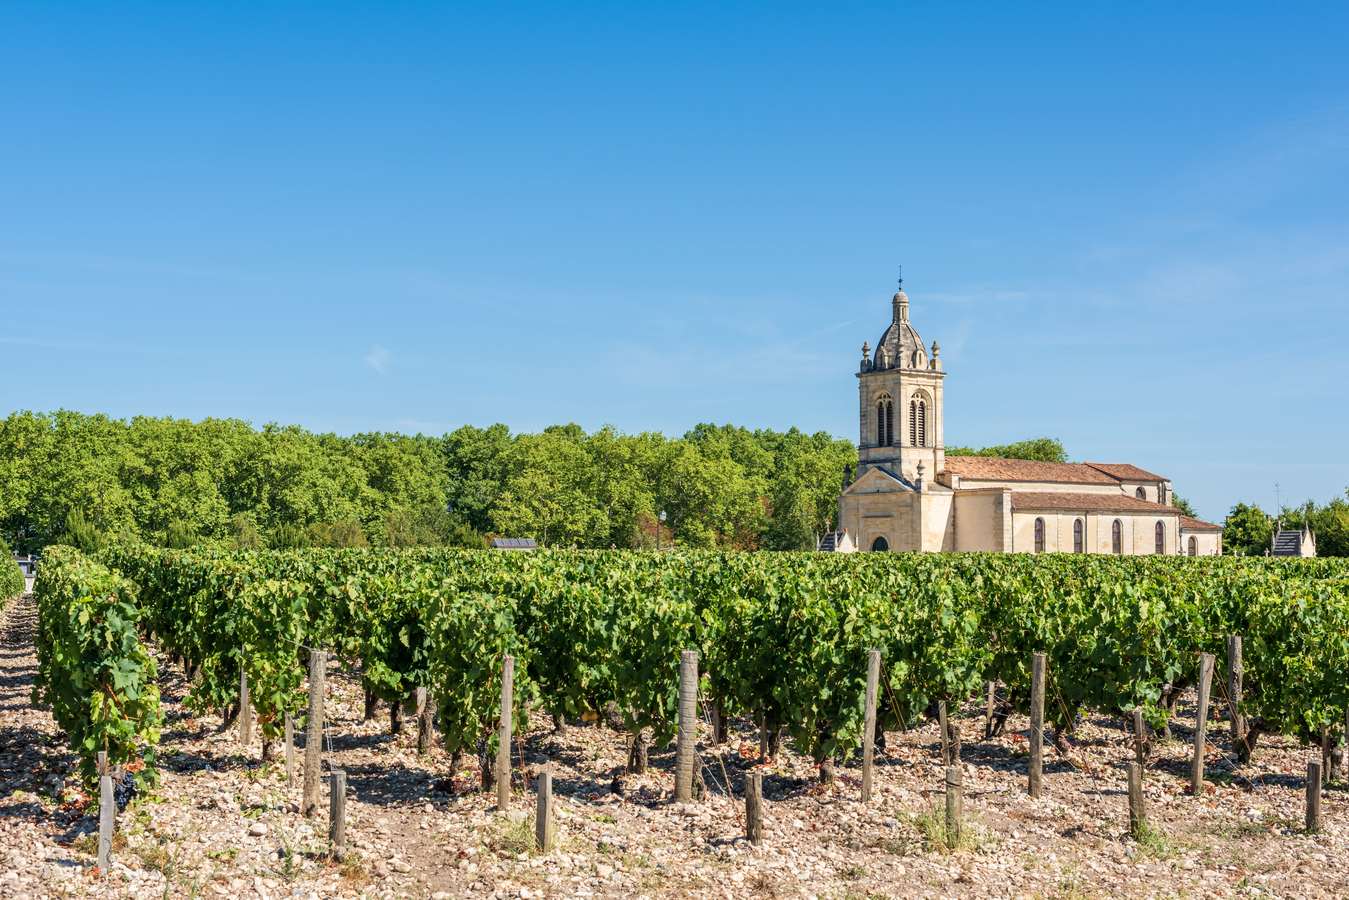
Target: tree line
70 477
81 479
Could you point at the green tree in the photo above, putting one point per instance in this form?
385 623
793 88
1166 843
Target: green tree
550 493
1042 449
1246 531
476 464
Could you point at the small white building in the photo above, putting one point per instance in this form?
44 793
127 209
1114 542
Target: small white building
909 495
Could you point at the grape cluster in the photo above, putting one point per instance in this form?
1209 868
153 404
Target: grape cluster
123 790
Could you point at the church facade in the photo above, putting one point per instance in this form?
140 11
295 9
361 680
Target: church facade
908 495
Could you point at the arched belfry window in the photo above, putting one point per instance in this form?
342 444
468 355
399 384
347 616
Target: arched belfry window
1193 546
885 421
1160 532
918 421
1079 536
880 545
1141 494
1117 537
1039 535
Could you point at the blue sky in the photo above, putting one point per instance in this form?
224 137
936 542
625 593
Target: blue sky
1128 227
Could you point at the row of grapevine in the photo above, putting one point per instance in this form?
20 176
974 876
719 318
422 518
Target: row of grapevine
782 636
93 671
11 576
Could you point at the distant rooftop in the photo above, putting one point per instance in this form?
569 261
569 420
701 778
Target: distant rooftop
507 543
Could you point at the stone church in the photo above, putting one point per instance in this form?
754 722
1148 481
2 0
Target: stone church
909 495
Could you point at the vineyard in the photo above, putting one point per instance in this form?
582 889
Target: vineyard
781 637
782 642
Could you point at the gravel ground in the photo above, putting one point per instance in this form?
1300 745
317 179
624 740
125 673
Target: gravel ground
224 824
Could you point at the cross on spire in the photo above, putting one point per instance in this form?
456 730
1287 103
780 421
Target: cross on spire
901 277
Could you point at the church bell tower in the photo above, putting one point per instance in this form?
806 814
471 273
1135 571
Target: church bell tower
899 391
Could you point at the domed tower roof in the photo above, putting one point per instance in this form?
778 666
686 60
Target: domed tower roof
901 343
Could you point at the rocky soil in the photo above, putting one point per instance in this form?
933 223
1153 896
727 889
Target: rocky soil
222 823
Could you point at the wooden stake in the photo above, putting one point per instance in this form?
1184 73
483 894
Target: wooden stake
953 806
290 752
1344 746
313 741
1137 815
1313 796
1201 724
503 767
688 723
1037 722
869 731
545 833
245 711
337 814
754 807
945 733
988 711
107 811
1140 737
1235 670
426 721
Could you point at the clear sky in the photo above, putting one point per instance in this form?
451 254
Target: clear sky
1127 225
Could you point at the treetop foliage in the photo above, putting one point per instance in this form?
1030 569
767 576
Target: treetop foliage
85 479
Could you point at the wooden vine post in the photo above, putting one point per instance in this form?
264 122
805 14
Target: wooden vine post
426 721
1137 814
1235 670
337 815
290 752
688 724
107 810
245 710
953 806
545 828
988 710
945 733
1037 723
1201 724
1140 737
503 767
1313 796
313 741
869 731
754 807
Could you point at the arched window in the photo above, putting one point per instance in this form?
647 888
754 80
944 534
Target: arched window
918 420
1160 532
880 545
1117 537
1079 537
1039 535
1141 494
885 421
1194 546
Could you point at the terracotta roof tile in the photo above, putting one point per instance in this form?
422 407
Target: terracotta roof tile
1072 502
994 468
1127 472
1190 523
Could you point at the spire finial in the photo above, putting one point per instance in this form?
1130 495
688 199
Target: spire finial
901 277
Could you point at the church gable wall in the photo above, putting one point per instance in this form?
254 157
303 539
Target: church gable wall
979 521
